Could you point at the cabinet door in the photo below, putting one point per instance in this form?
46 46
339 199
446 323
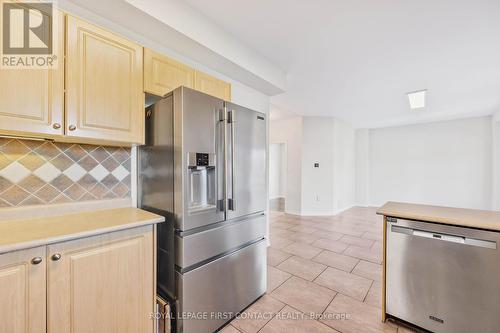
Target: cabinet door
102 284
23 291
212 86
162 74
104 93
32 100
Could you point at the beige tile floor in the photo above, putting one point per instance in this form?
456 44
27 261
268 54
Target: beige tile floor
324 275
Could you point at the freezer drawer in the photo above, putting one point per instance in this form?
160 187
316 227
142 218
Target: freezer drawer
215 292
443 278
195 248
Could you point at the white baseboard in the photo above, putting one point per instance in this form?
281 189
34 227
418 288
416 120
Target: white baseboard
292 212
316 213
339 211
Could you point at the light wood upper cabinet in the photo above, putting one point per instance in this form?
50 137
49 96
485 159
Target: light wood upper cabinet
23 291
104 77
162 74
212 86
32 101
103 283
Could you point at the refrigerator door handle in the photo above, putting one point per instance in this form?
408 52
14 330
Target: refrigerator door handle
222 127
231 202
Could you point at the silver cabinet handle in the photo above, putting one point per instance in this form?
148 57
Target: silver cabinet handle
72 127
36 260
56 126
232 200
444 237
56 257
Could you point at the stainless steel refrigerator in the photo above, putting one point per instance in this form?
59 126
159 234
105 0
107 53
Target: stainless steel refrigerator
204 168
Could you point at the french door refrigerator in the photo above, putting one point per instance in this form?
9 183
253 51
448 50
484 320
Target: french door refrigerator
204 168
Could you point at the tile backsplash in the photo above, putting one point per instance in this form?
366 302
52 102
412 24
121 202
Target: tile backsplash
43 172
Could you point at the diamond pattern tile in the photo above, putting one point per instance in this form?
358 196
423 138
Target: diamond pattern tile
4 141
15 172
32 144
121 155
87 182
100 154
75 172
32 200
110 164
15 149
75 192
120 173
32 161
47 172
48 151
4 204
61 182
4 184
76 153
120 190
4 161
47 193
38 172
88 163
110 181
99 172
62 161
15 195
31 183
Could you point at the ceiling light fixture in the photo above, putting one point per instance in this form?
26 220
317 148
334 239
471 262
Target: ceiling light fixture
417 99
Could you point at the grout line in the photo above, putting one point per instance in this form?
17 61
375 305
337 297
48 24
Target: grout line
352 270
371 285
274 314
288 278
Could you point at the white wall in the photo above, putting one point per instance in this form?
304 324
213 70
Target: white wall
289 131
362 167
277 170
323 190
495 150
317 183
445 163
344 178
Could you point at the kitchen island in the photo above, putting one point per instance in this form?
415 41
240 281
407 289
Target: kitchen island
441 267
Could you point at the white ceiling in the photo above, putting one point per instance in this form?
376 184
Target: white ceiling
356 59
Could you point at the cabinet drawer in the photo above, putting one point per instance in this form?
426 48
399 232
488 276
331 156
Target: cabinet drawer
207 244
224 286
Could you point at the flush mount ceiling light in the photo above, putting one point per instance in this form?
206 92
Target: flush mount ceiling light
417 99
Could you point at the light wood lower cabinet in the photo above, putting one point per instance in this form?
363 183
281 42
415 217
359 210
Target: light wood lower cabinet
23 291
104 85
102 284
97 284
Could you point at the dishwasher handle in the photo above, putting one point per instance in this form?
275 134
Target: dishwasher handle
444 237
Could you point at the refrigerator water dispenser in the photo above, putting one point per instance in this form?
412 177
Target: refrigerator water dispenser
202 181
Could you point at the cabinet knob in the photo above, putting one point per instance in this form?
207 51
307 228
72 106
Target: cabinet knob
36 260
72 127
56 126
55 257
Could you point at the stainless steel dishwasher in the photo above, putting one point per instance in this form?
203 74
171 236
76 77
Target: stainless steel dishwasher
443 278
